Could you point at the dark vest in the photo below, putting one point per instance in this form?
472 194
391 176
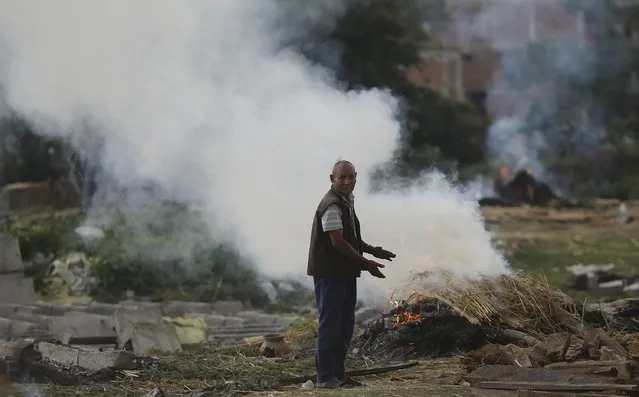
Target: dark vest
323 259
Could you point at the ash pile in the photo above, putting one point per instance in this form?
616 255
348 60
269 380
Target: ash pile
423 328
514 333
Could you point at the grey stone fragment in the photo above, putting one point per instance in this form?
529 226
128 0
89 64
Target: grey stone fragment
15 288
90 359
10 257
227 308
146 331
79 324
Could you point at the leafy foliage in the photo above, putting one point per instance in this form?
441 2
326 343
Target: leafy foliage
143 252
379 41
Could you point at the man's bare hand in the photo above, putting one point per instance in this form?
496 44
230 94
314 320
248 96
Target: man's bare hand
373 269
381 253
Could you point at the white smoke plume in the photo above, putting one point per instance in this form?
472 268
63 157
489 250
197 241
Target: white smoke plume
197 97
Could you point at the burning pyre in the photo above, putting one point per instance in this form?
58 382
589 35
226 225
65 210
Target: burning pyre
459 317
423 328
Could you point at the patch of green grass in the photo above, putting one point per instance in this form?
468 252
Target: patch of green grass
547 243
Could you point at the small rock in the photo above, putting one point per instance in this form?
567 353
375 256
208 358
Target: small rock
157 392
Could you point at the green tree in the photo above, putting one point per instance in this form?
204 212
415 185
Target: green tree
378 41
617 91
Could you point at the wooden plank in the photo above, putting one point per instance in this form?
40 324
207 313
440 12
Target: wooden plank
623 369
551 386
474 392
537 393
518 374
530 341
587 364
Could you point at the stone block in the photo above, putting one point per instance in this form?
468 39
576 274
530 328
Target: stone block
53 309
190 331
79 324
95 360
227 308
180 308
104 309
10 257
145 331
89 359
58 353
15 288
8 309
5 328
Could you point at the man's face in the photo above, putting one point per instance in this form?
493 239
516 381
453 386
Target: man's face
344 178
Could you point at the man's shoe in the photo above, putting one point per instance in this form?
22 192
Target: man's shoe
350 382
331 384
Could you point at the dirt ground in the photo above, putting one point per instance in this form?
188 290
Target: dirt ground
536 240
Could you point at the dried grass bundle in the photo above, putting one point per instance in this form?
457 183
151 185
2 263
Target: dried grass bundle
520 301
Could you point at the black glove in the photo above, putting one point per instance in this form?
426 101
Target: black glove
381 253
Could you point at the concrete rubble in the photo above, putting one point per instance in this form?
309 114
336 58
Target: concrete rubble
14 287
105 335
94 335
601 278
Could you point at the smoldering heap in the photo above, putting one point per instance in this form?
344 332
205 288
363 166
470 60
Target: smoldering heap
516 320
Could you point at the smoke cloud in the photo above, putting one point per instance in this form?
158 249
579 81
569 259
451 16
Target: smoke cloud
541 95
199 98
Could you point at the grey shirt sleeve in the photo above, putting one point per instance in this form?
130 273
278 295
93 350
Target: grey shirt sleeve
332 218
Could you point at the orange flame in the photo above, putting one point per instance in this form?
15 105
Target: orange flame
407 317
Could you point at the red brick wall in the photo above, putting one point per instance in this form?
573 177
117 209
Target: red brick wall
512 22
442 75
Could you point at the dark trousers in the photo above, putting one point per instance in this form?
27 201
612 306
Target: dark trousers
336 298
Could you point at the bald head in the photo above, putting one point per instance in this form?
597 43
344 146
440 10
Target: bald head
342 163
344 176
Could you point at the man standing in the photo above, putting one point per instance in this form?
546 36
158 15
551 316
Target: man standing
335 261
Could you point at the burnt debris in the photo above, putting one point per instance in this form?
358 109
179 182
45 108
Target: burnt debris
426 329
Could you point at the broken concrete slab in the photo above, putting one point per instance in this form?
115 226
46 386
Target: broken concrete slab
145 331
90 359
259 319
5 328
227 308
138 305
215 322
52 309
190 331
39 319
78 324
94 359
180 309
12 329
104 309
7 309
15 288
14 350
10 257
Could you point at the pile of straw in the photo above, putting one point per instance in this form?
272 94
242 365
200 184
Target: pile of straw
519 301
